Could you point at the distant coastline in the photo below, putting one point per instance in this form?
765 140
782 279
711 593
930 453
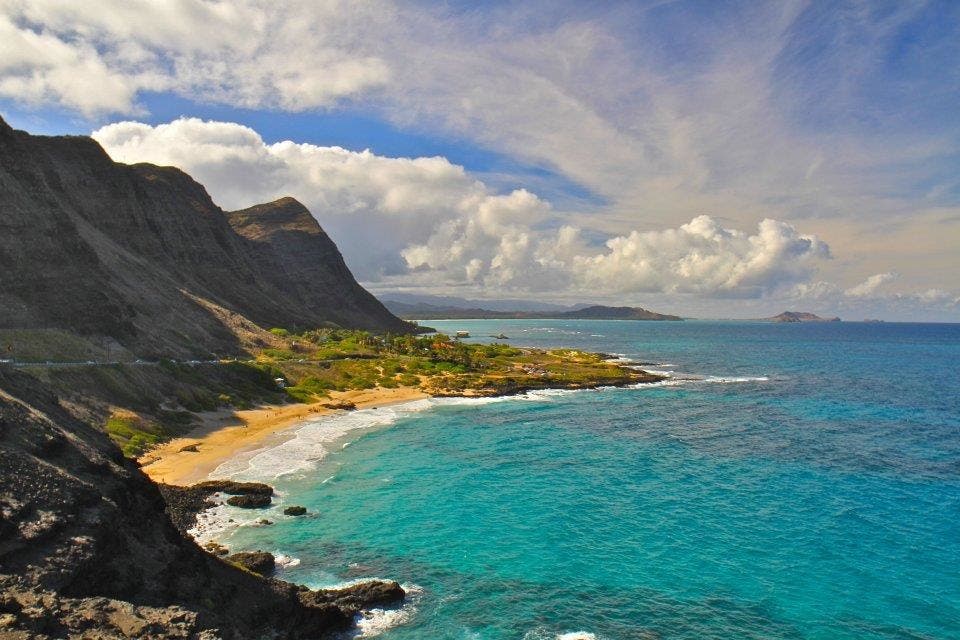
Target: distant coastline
427 311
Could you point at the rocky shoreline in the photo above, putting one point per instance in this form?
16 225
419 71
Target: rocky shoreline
89 548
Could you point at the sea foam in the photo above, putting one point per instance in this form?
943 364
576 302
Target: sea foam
310 443
373 622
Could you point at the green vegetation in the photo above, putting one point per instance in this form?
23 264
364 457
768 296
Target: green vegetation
133 434
141 406
315 363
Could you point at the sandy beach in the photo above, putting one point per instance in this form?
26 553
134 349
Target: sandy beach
224 434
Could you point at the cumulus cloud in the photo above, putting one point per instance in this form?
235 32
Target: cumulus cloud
869 286
607 99
704 257
375 206
700 256
403 216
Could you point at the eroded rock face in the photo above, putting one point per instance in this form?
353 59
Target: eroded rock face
87 549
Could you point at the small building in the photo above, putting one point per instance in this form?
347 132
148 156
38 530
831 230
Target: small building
463 334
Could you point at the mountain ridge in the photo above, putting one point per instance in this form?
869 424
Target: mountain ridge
425 311
141 257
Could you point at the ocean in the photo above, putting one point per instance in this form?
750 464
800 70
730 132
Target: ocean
788 481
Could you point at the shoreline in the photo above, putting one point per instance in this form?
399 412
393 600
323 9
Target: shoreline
225 434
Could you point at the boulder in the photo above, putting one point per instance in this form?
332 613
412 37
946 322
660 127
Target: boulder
341 405
294 510
260 562
357 597
184 503
235 488
250 501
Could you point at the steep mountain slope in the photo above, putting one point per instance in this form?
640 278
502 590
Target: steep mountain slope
140 255
293 252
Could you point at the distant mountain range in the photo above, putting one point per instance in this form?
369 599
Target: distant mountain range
425 311
501 304
800 316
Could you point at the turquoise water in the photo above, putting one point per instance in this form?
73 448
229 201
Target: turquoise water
806 485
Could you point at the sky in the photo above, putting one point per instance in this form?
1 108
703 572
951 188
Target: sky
713 159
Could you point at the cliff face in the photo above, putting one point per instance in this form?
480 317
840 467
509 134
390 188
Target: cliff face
140 254
300 260
87 550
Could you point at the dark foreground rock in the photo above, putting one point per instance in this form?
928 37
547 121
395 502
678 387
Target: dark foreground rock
249 501
374 593
184 503
294 510
88 551
260 562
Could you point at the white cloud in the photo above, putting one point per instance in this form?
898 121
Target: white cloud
870 298
428 215
869 286
98 57
375 206
701 256
781 112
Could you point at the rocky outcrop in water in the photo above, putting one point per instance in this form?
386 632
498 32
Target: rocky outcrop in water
87 549
249 501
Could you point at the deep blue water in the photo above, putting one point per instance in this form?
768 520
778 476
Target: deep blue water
820 502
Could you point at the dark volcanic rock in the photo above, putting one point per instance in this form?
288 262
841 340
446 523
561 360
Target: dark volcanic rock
260 562
184 503
249 501
235 488
364 595
87 550
294 510
145 257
